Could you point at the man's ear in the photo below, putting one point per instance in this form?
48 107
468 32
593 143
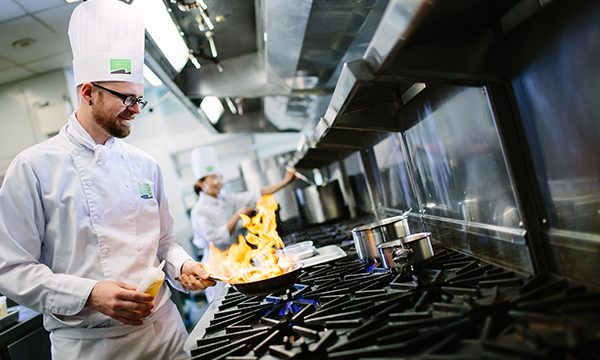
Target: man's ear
86 92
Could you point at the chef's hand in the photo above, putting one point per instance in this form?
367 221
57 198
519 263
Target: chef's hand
194 277
247 211
233 220
120 301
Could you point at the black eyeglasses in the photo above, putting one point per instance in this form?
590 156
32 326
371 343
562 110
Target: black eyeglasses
128 100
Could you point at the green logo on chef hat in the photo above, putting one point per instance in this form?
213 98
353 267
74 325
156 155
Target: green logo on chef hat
145 190
210 168
120 66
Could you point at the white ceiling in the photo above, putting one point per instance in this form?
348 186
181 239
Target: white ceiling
45 21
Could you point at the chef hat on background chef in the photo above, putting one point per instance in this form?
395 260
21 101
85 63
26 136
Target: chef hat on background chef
107 40
204 162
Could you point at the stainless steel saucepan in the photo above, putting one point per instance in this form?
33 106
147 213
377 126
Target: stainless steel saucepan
367 237
409 250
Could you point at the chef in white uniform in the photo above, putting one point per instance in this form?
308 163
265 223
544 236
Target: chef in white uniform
83 214
216 216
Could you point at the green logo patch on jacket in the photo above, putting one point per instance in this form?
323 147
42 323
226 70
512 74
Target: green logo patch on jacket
145 191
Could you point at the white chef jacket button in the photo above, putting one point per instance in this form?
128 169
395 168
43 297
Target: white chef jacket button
105 251
75 152
127 185
122 157
96 219
138 248
89 182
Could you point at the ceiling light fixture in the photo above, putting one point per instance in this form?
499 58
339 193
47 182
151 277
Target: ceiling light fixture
164 32
211 44
212 107
240 104
199 11
195 61
231 105
23 43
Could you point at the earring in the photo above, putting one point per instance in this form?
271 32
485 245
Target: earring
90 102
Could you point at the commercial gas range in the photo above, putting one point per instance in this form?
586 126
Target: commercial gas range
452 307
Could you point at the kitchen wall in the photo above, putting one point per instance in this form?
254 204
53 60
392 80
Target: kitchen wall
32 110
396 188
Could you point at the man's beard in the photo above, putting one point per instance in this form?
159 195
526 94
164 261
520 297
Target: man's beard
112 125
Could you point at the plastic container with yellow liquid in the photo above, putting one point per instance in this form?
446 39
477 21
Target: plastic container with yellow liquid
152 280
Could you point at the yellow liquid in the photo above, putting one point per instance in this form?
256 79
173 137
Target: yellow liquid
154 287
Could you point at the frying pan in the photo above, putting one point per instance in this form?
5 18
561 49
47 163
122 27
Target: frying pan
265 286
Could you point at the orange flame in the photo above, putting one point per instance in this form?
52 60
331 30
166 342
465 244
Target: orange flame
253 258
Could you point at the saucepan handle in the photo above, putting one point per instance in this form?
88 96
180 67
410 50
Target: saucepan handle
401 254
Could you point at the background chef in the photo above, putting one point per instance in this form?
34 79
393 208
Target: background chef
215 216
83 214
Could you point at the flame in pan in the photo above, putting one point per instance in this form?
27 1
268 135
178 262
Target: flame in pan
253 258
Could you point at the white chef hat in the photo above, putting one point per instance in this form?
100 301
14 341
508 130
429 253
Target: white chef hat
107 40
204 162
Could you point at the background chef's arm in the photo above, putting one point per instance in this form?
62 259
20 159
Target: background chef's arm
272 188
233 220
22 224
168 248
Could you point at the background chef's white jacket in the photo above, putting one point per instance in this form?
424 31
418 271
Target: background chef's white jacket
73 213
210 216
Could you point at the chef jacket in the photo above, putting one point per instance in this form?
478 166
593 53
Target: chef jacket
74 213
210 216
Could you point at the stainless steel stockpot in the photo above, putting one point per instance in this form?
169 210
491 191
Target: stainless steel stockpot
367 237
319 204
409 250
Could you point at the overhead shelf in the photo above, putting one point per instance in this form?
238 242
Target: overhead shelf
364 102
316 158
445 39
417 45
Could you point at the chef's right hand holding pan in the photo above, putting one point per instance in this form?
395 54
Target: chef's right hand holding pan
194 276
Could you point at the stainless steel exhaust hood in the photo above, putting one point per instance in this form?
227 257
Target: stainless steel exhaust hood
288 52
417 45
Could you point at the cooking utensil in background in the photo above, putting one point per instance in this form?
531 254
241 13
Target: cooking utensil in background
409 250
319 204
367 237
300 176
